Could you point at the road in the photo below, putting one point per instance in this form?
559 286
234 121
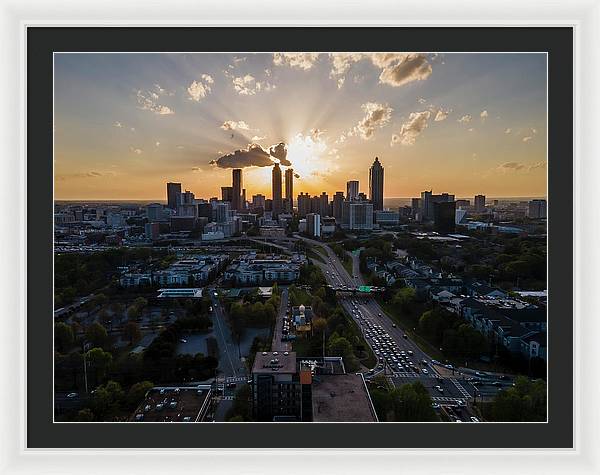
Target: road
230 366
277 344
399 358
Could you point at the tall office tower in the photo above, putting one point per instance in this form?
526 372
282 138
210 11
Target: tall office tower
376 185
315 204
258 201
227 193
352 189
427 201
337 203
479 203
415 205
236 201
537 209
303 204
187 198
205 210
289 188
357 215
154 212
276 186
173 195
222 212
324 204
243 198
444 216
313 224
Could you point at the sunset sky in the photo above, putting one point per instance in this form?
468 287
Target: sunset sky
460 123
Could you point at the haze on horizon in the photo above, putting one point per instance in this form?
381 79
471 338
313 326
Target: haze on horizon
460 123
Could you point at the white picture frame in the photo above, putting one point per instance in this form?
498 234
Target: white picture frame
16 16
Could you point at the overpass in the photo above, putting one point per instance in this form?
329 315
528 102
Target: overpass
360 290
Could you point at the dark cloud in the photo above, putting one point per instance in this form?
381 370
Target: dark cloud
254 156
279 151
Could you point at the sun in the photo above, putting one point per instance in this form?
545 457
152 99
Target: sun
307 156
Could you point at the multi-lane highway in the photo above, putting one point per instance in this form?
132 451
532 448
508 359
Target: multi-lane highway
399 358
277 344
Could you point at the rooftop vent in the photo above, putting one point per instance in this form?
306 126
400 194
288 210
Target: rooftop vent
264 353
285 353
275 353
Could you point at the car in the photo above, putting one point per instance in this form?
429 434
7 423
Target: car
231 385
371 371
474 419
439 389
424 371
394 325
183 340
210 309
410 353
497 383
405 336
72 395
461 403
435 405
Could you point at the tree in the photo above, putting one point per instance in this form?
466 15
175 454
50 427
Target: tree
319 325
404 297
63 337
85 415
99 361
133 312
96 334
106 399
524 402
137 392
132 332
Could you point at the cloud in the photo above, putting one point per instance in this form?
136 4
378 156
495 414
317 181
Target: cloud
420 100
147 100
396 69
341 63
248 85
508 131
537 165
316 134
511 166
401 69
279 151
137 151
484 115
465 119
376 116
442 115
471 129
118 125
233 125
254 155
527 138
258 138
417 122
304 61
157 143
198 90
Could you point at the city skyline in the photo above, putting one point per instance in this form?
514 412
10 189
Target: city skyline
459 123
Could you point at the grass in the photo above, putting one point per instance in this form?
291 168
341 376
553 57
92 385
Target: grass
315 255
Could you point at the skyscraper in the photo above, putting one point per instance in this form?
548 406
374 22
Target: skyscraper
289 188
227 193
376 185
236 201
303 204
276 186
173 195
337 203
352 189
479 203
324 204
444 216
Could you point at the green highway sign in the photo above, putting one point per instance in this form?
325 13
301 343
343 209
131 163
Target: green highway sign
364 288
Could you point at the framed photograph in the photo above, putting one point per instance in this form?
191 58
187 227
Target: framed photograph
250 241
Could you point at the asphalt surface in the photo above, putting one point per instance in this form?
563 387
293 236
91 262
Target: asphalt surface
277 344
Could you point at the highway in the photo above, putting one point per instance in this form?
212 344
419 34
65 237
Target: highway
399 358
